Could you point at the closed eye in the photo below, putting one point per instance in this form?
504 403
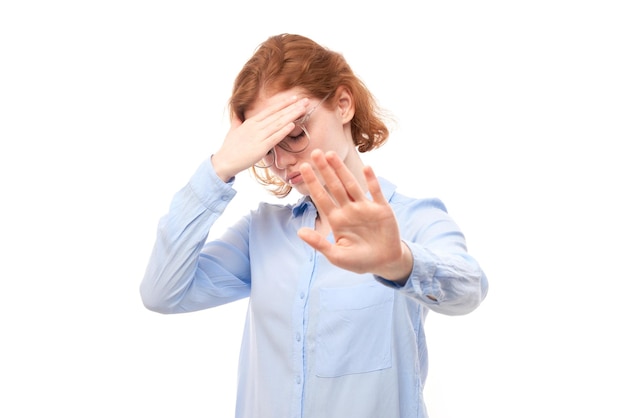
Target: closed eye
296 141
297 133
297 136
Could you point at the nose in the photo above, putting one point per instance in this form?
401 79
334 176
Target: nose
283 158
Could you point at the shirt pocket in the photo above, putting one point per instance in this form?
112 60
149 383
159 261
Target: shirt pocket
354 330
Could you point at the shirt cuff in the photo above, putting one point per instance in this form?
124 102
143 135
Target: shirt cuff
211 190
421 282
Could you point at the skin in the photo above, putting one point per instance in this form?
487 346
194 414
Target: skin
330 170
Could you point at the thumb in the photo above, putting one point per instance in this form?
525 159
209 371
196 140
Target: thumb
314 239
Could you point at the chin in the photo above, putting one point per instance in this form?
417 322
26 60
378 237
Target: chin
301 188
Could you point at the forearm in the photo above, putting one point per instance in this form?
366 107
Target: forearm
180 237
451 283
445 279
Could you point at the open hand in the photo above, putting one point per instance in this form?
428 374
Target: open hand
248 141
366 234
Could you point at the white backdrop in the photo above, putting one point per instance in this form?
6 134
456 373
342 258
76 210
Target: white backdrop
513 113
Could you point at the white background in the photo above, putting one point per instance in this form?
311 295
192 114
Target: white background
513 113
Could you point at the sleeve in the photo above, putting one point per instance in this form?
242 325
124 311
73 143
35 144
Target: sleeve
185 273
445 277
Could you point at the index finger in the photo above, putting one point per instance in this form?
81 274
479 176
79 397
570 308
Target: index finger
288 108
319 195
275 121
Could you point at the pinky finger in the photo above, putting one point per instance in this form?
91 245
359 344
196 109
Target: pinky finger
373 185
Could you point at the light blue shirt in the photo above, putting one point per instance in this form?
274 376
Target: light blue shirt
318 341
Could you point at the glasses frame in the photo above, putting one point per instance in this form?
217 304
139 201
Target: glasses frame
300 123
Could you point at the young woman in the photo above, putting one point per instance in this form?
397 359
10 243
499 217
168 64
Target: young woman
339 283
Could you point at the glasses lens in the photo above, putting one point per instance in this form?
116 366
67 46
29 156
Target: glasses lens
297 141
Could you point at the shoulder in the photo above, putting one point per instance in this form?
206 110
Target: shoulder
400 201
419 218
281 210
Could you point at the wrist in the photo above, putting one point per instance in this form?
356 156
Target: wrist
399 271
221 170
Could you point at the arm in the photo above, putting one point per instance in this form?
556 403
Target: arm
444 276
185 274
431 264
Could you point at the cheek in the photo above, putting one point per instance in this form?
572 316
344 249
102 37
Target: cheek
336 137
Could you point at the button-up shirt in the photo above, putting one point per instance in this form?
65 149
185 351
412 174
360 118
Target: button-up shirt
318 341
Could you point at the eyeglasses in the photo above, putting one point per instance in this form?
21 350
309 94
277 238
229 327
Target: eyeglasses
296 142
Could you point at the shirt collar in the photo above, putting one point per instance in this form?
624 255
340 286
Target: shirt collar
301 205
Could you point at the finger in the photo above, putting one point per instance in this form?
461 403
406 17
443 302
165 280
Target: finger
276 134
332 182
373 185
277 122
281 112
318 193
348 181
314 239
272 124
274 107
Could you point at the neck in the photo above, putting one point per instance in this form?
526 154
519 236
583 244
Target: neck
355 164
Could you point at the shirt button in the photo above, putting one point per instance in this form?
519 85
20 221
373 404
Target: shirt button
298 337
301 295
224 198
298 380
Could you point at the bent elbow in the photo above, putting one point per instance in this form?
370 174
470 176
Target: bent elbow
153 301
466 301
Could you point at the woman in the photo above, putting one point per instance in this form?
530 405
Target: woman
338 283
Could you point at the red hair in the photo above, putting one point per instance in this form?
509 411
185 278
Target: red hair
287 61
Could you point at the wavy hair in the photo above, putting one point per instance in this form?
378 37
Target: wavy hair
287 61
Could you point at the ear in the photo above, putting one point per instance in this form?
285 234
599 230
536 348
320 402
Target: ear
345 104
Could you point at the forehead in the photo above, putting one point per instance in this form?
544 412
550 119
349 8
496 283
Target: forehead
267 99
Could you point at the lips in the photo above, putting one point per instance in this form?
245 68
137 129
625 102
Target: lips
294 178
